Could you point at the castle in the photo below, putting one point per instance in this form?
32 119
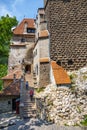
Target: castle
52 44
58 34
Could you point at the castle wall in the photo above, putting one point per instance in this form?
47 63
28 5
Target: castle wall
44 74
44 48
67 25
36 64
41 50
26 38
5 104
18 53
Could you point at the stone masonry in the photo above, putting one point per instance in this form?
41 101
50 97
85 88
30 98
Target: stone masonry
44 74
67 25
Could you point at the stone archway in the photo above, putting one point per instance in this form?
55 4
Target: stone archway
28 69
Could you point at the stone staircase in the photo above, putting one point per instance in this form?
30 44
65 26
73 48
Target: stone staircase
29 78
29 108
32 80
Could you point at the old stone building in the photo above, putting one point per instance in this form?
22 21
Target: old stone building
41 50
67 26
21 47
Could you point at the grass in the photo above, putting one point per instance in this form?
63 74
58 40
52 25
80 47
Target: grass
41 89
84 122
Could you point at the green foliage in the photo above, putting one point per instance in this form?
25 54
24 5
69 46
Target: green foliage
6 23
84 122
3 72
50 103
38 90
84 77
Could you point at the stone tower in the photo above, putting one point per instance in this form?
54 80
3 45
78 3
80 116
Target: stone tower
67 25
21 47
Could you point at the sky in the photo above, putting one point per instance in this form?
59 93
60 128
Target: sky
20 8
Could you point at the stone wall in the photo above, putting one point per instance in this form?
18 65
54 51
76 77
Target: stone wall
67 24
5 104
18 53
41 50
44 47
44 74
64 106
27 38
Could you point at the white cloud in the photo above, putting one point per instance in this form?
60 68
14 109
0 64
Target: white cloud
4 10
16 7
16 3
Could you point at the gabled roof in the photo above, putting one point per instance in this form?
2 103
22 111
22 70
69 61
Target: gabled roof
20 28
18 74
43 33
60 75
12 90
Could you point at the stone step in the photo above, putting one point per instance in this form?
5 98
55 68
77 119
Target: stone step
30 116
29 109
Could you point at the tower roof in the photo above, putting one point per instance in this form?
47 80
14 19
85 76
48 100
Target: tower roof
60 75
20 28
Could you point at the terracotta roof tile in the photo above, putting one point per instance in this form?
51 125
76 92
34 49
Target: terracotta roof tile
44 60
12 90
43 33
20 28
60 74
11 75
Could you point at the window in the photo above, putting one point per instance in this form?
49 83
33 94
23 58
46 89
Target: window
41 16
70 62
59 62
9 102
36 51
29 30
37 69
22 40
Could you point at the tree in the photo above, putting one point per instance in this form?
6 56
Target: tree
6 23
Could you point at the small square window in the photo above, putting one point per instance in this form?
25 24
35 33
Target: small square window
9 102
70 62
59 62
29 30
22 40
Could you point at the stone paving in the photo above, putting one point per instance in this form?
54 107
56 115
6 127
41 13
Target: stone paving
9 121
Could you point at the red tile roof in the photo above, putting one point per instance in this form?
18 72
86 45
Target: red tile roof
18 74
12 90
44 60
60 75
20 28
43 33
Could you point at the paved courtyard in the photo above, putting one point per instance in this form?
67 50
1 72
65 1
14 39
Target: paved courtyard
10 121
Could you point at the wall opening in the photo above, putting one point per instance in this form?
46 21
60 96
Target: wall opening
28 69
59 62
70 62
